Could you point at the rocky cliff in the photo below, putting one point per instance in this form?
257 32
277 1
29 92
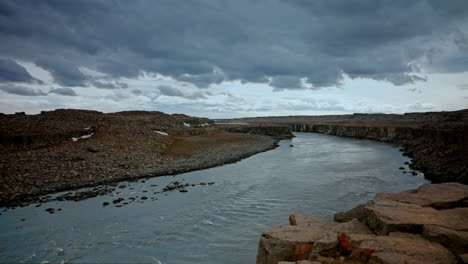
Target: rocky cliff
427 225
441 153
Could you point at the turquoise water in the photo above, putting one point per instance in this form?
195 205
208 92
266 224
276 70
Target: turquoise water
219 223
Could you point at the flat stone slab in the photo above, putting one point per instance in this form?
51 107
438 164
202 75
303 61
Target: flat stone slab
307 220
406 248
385 216
439 196
455 241
287 243
295 243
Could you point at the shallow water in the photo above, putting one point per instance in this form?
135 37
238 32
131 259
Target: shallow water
218 223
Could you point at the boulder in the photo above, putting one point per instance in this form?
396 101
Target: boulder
287 243
295 243
385 216
327 244
406 248
439 196
307 220
455 241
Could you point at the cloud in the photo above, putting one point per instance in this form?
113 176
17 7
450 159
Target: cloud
21 90
415 90
64 71
136 91
211 41
63 91
174 92
170 91
110 85
10 71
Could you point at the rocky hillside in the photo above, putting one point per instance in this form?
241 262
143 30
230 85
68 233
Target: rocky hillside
68 149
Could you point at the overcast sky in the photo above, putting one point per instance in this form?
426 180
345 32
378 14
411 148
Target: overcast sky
231 58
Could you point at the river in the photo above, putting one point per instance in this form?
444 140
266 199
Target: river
218 223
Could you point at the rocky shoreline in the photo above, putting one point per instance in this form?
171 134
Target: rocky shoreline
427 225
69 149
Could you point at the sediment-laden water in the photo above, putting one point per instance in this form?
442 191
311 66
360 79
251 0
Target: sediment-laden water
219 223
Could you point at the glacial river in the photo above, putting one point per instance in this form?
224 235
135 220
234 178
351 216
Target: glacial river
219 223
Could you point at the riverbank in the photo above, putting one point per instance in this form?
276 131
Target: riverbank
70 149
437 141
426 225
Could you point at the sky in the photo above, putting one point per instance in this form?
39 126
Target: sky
226 59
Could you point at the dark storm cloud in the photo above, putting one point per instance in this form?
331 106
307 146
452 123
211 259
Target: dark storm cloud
63 91
211 41
170 91
21 90
10 71
174 92
110 85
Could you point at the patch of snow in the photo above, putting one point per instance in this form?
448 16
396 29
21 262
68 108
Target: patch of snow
206 124
161 133
87 128
82 137
187 125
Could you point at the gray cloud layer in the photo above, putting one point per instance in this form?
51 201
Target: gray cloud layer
21 90
10 71
210 41
64 91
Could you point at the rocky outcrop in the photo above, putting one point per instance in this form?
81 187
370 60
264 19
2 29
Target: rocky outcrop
276 131
427 225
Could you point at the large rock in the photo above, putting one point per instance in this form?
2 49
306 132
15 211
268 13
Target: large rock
406 248
327 244
294 243
385 216
439 196
287 243
456 241
307 220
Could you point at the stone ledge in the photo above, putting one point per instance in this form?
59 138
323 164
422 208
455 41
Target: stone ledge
427 225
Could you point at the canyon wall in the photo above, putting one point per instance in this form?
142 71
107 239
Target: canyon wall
441 153
276 131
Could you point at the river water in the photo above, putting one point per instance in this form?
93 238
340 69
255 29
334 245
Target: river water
219 223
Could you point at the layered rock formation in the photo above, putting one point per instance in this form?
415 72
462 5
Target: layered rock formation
427 225
441 153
